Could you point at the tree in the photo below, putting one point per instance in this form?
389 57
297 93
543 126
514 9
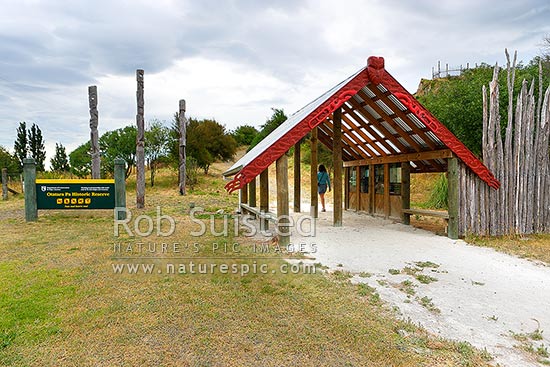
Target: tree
457 101
81 160
271 124
119 143
9 161
207 141
21 146
36 147
60 161
244 134
157 141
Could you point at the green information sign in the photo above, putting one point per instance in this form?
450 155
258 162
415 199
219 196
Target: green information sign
75 194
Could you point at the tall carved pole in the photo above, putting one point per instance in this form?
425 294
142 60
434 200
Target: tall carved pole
94 135
182 144
140 143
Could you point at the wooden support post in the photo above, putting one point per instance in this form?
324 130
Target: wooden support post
29 174
283 219
297 179
182 145
4 184
371 189
140 143
94 135
387 207
264 198
120 189
314 210
406 190
244 196
346 186
358 188
252 194
337 161
452 199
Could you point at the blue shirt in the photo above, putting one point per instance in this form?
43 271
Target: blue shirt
323 179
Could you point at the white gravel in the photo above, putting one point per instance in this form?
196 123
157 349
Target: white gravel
483 295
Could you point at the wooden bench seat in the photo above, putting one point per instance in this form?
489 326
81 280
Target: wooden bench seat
427 213
262 215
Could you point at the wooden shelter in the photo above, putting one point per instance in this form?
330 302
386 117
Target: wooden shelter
379 134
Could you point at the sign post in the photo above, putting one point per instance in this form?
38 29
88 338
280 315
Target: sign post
29 174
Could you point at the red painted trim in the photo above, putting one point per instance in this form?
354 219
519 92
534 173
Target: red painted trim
440 130
281 146
376 74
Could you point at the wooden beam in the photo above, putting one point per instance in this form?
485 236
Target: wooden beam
406 135
326 138
283 219
372 147
314 212
376 123
387 206
344 140
390 122
406 191
297 178
404 117
337 162
406 157
452 199
264 198
387 135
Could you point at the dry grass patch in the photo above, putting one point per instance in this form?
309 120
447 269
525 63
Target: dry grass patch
68 307
534 247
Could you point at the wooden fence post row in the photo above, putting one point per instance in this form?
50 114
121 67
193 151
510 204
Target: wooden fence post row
521 163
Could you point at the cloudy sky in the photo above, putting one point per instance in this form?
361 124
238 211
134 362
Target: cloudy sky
231 60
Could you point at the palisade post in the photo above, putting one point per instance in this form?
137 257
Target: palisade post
406 190
29 174
283 219
4 184
182 146
120 188
140 143
297 178
94 135
264 198
452 199
337 161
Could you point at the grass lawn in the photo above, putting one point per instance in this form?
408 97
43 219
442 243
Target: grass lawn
63 305
534 247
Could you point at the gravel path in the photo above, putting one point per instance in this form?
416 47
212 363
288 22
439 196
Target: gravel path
475 294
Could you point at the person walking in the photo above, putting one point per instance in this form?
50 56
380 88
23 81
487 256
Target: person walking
323 183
